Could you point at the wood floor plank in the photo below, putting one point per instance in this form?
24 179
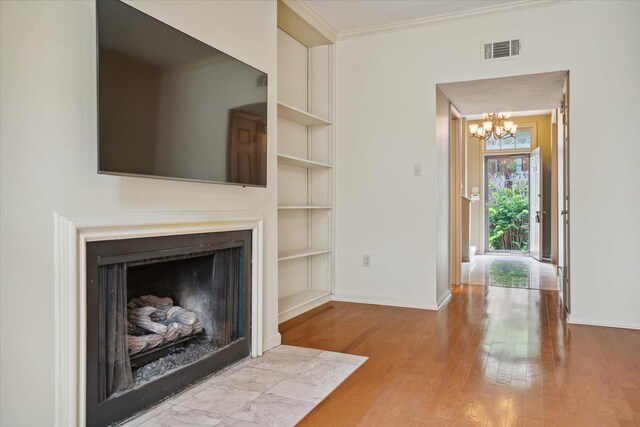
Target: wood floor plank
491 357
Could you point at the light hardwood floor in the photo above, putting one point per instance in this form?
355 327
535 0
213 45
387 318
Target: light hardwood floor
509 271
493 356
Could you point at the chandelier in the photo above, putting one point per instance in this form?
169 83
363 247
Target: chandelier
494 124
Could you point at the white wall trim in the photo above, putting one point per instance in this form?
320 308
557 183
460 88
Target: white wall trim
444 299
606 322
71 235
444 18
302 308
271 342
390 301
310 15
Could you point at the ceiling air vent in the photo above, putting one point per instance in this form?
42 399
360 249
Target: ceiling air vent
501 49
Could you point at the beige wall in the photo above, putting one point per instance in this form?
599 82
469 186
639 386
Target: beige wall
48 164
475 171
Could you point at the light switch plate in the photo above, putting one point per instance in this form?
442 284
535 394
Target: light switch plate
417 169
366 260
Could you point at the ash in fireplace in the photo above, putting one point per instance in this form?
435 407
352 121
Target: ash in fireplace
192 352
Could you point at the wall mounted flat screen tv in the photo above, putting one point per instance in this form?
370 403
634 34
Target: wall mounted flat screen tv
173 107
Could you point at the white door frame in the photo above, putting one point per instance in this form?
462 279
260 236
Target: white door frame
565 273
536 194
455 190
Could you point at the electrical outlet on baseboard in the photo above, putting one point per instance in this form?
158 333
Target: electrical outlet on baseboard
366 260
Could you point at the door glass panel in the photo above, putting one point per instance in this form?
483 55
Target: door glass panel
493 144
523 138
507 209
508 143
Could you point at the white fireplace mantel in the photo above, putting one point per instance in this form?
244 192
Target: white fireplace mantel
71 235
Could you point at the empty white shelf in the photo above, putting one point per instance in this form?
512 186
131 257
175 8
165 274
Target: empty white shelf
302 117
292 305
304 207
300 253
283 159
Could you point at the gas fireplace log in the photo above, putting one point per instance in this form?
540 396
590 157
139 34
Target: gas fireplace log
172 332
140 317
160 315
181 315
136 344
143 343
184 330
135 330
154 340
150 301
187 317
172 312
198 327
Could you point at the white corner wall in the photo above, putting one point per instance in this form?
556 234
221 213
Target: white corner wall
386 109
48 164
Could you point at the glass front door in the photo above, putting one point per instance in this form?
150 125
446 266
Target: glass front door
507 203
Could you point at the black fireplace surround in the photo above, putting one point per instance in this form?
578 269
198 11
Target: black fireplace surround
162 313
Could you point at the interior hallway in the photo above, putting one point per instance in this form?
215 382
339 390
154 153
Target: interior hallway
510 271
493 356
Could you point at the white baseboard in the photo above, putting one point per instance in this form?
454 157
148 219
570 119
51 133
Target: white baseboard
394 302
303 307
444 299
272 341
609 323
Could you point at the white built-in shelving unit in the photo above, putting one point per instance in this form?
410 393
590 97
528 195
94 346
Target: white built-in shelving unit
305 160
296 115
283 159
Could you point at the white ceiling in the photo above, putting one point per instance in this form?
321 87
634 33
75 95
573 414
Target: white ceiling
518 93
345 15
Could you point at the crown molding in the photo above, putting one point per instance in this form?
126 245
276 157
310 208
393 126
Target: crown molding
316 20
448 17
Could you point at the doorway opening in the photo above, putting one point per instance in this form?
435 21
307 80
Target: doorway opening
511 191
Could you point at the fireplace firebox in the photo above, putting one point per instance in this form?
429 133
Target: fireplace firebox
162 313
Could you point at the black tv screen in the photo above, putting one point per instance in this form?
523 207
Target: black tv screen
171 106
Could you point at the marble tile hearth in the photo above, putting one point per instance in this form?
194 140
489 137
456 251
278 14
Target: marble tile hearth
277 389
